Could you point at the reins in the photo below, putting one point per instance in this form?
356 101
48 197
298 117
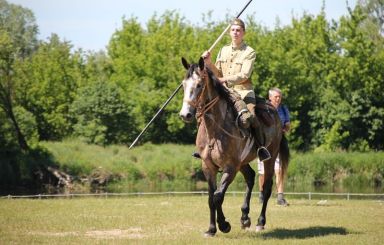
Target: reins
223 129
208 106
202 110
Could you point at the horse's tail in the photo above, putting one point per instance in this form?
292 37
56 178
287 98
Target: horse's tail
284 154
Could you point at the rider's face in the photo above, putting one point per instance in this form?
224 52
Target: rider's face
236 33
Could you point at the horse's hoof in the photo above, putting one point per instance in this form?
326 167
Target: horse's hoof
209 234
245 223
259 227
225 227
211 231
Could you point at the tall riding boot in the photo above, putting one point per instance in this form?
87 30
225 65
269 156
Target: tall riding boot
262 151
244 117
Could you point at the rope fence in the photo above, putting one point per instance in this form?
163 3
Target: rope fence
306 195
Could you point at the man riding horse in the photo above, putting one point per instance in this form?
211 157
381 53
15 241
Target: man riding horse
233 68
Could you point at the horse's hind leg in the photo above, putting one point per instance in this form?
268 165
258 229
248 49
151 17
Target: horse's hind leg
267 191
218 198
249 176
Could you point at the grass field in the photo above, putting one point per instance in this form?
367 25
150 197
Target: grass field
183 220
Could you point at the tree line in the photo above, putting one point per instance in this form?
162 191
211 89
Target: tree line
331 74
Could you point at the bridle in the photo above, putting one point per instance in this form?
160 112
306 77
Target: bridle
202 107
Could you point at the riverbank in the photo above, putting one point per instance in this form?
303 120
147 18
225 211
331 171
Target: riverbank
170 167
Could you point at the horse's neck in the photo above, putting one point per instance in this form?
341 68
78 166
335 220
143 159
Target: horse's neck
210 93
215 118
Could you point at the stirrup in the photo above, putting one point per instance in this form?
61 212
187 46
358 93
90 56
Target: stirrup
196 155
239 122
263 154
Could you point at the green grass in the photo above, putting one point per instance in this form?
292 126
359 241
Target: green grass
170 167
183 219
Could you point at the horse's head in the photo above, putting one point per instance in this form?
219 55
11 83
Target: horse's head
193 84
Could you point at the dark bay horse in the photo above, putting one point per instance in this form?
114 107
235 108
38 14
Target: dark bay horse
223 147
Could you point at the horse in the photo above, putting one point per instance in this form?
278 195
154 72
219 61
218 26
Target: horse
224 147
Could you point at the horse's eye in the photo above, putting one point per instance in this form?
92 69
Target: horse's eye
198 85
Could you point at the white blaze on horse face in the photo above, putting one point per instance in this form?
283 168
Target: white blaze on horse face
191 89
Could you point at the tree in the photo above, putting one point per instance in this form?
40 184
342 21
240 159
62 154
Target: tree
101 116
46 86
147 67
96 67
375 11
361 71
297 59
17 40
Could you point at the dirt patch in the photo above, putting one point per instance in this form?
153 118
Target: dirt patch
55 234
133 233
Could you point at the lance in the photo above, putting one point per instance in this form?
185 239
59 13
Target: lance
181 84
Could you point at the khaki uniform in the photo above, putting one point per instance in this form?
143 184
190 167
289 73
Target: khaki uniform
235 64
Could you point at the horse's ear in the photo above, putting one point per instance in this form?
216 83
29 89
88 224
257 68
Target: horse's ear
201 63
185 63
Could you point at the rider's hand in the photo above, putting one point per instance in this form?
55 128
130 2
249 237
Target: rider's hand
207 57
222 80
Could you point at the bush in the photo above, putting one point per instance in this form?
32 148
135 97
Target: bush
338 168
101 116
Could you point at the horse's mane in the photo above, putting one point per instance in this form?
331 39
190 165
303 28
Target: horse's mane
222 90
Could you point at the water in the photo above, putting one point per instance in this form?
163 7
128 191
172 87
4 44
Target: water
330 188
239 185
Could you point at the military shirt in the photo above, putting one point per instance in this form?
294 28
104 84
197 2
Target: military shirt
236 65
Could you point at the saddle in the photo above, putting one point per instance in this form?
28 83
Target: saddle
264 111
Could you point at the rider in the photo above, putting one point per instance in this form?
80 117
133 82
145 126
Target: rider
233 68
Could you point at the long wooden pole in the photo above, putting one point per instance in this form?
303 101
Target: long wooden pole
155 116
180 85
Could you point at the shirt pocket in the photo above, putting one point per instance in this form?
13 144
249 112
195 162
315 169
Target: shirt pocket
237 65
222 64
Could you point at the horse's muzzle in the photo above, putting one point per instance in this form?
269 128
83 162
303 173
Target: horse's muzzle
187 117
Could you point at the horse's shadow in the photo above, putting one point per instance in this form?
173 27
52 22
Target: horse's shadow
304 233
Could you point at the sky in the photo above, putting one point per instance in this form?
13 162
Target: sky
89 24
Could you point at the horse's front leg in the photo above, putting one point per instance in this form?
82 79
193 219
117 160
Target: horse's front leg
267 191
249 176
218 198
211 179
